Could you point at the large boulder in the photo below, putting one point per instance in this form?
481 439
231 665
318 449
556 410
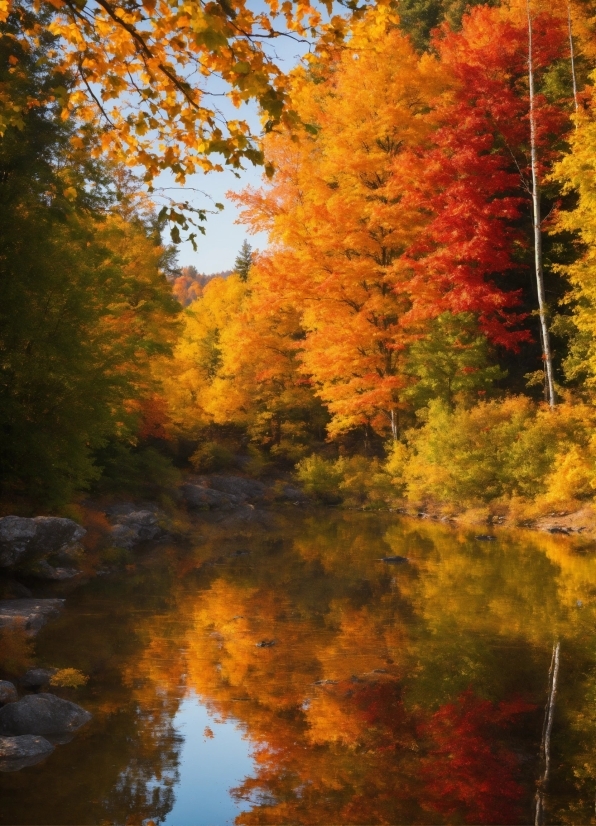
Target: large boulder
136 527
235 485
42 714
202 498
23 541
8 693
30 614
26 750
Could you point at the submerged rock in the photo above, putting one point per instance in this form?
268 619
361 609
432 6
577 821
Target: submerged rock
394 560
25 750
24 541
42 714
37 677
8 693
30 614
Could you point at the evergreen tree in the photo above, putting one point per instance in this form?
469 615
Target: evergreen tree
243 261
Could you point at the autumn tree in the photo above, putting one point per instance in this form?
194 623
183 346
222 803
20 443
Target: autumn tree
576 171
337 222
236 364
151 75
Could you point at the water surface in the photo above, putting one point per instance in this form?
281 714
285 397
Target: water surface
400 694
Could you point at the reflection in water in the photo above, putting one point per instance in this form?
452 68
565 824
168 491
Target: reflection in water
547 728
391 694
214 756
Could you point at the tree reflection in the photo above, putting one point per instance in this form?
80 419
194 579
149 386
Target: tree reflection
410 694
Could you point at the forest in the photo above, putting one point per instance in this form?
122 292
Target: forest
419 331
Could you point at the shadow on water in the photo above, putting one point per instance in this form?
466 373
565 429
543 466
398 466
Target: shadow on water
290 675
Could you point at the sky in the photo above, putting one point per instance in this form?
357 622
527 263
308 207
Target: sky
218 248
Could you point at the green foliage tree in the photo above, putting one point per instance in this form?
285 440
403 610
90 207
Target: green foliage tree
243 261
451 360
79 319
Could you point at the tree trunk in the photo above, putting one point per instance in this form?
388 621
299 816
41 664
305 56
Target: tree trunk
394 432
546 350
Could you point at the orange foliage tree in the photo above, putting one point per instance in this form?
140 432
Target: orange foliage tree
407 201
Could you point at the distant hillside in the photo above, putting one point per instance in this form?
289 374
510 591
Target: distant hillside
189 285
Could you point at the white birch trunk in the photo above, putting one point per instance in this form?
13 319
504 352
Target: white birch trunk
537 220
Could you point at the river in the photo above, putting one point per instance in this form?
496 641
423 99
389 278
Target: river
285 675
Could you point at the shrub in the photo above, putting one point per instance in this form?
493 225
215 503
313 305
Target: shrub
364 482
320 478
509 448
258 463
69 678
138 472
212 457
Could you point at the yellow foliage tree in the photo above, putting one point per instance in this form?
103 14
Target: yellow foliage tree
577 170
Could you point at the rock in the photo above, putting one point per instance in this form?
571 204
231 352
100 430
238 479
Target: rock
236 485
197 496
42 714
18 752
37 677
8 693
136 527
485 537
30 614
557 529
394 560
24 540
265 643
295 495
43 570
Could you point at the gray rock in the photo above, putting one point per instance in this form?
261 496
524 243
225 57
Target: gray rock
136 527
43 570
197 496
30 614
18 752
292 494
24 540
236 485
8 693
37 677
42 714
